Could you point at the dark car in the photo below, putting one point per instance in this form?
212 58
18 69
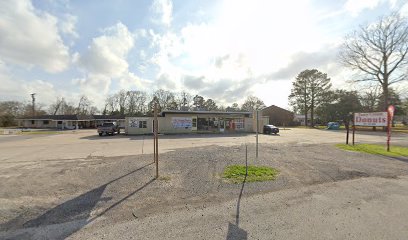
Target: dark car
268 129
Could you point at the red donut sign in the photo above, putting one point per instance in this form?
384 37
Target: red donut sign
374 119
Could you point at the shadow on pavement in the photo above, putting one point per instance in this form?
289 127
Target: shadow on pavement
402 159
169 136
234 231
76 213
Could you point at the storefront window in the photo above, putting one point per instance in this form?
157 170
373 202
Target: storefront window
239 123
142 124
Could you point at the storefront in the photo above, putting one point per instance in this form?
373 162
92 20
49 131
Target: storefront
192 121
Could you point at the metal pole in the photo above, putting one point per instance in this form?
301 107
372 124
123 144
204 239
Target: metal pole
257 130
354 129
154 143
246 160
347 133
157 139
388 131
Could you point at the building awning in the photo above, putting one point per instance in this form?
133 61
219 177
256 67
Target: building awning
214 113
73 117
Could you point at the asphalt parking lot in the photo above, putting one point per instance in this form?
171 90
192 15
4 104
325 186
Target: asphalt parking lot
66 185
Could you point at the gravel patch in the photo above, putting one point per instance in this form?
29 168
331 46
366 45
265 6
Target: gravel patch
114 189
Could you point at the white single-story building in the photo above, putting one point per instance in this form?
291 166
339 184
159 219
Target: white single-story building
69 121
300 118
171 122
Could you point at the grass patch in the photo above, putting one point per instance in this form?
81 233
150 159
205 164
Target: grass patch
236 173
395 151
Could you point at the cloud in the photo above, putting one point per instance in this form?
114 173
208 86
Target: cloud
240 51
107 53
321 60
14 88
29 37
105 64
193 82
94 86
228 90
220 60
164 81
131 81
10 88
162 10
355 7
67 25
404 10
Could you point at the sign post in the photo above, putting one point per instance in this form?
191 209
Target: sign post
375 119
354 132
390 115
257 130
347 131
156 139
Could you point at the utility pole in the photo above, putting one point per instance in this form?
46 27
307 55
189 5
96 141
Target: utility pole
184 102
33 99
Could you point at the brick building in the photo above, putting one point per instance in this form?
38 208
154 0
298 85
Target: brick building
278 116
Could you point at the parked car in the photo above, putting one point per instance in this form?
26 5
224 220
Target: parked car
108 128
333 126
268 129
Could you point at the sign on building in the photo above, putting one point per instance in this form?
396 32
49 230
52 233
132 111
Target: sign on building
138 122
374 119
182 122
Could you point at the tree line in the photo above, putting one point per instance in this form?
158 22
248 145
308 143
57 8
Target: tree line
377 54
124 103
140 103
312 94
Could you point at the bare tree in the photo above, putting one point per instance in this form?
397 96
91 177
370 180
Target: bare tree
136 102
252 103
9 110
370 98
111 104
121 98
183 100
85 106
164 98
210 105
53 108
13 108
379 52
233 108
60 106
198 102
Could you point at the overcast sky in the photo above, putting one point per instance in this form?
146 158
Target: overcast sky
224 50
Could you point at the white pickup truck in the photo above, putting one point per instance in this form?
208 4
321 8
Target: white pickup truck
108 128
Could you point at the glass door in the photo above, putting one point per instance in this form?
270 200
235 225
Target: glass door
194 123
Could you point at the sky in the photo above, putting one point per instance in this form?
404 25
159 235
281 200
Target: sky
225 50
